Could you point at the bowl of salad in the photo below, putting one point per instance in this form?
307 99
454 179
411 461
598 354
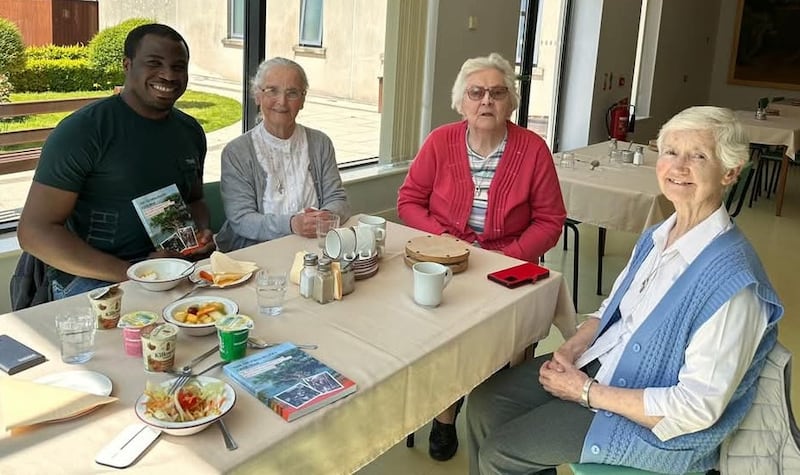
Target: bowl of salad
196 316
192 408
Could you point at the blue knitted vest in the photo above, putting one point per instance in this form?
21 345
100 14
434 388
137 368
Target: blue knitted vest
654 356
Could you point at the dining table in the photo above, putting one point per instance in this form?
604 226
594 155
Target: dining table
782 130
612 194
409 363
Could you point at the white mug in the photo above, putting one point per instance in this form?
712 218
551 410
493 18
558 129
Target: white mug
430 279
339 242
365 239
377 224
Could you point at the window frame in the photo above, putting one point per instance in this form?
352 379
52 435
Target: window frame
232 26
302 40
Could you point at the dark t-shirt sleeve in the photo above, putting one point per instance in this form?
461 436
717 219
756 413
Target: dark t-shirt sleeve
68 155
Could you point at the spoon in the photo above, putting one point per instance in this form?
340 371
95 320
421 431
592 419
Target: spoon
258 343
102 292
595 164
187 369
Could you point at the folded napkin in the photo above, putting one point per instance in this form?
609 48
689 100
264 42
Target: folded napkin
25 403
226 270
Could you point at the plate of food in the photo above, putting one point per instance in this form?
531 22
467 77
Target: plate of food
195 406
197 315
204 274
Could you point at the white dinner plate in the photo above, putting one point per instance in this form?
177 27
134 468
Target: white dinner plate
195 277
80 380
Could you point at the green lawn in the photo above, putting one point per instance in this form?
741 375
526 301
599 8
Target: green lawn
211 110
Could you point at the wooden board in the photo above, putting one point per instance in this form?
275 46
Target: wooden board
456 268
441 249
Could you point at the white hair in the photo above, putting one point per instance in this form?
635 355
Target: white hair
732 146
481 63
267 65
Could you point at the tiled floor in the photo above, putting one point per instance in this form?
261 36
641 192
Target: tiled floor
777 241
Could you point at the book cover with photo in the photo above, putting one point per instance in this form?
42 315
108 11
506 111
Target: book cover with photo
289 381
167 220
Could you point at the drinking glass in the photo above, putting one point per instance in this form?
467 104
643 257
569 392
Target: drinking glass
324 224
270 292
567 160
76 331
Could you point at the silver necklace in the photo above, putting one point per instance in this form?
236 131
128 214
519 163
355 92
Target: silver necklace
654 271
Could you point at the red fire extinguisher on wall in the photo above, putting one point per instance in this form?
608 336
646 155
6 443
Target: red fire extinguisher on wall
620 119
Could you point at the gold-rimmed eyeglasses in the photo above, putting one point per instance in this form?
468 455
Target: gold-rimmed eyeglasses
497 93
290 94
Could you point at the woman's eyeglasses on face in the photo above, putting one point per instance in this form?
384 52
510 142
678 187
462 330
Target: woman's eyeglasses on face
498 93
290 94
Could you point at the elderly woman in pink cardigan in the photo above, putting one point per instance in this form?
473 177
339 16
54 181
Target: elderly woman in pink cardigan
486 181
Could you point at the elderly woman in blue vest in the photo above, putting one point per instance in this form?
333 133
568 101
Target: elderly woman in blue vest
667 367
279 176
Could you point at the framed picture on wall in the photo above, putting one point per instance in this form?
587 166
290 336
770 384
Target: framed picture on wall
766 44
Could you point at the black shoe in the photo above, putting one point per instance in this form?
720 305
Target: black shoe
443 441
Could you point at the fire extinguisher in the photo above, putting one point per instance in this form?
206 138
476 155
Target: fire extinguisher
620 119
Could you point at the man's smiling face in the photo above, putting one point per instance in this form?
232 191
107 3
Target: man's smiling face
156 76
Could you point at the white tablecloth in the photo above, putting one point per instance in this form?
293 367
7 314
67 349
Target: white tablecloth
409 363
619 196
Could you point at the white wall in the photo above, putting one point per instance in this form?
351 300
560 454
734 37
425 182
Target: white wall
601 51
685 56
496 32
729 95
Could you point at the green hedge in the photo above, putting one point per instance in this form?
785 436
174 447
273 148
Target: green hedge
57 52
12 50
107 48
62 75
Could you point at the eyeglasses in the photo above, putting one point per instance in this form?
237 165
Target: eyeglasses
290 94
497 93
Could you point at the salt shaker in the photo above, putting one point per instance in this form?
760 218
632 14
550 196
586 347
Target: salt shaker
323 282
307 275
638 156
612 147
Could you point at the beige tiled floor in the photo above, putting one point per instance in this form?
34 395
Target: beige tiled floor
777 241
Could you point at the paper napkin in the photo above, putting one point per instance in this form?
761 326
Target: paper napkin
25 403
227 270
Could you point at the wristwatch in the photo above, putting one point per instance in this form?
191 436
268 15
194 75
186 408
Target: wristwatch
585 393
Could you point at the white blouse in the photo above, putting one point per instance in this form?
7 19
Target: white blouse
290 187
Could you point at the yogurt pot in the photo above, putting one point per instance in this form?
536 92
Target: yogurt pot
106 305
132 325
158 347
233 331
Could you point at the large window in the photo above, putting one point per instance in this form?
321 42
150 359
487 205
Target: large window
645 63
311 23
236 19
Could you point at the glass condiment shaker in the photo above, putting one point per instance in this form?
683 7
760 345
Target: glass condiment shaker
348 278
323 282
612 147
638 155
307 275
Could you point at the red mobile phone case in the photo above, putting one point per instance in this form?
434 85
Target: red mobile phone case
519 275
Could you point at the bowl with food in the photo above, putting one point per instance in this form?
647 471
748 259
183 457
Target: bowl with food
193 407
196 316
160 274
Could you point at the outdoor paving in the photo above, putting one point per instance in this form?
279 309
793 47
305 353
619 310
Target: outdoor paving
353 128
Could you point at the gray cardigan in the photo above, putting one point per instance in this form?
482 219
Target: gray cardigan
244 180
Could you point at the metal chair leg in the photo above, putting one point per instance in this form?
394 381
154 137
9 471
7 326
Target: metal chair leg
410 440
576 241
601 251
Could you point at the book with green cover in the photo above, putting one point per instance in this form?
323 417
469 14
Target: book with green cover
167 220
289 381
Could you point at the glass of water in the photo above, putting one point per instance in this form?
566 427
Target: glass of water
567 160
325 223
76 330
270 292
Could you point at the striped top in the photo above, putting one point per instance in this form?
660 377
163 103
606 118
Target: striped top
483 170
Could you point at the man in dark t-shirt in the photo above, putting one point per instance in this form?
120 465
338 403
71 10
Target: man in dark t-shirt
78 217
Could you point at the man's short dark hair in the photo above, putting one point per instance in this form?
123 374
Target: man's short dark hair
134 38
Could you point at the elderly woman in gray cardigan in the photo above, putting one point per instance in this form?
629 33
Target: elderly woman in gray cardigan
280 176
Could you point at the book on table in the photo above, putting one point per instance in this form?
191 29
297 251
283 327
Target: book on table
167 220
289 381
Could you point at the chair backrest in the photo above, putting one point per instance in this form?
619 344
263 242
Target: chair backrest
213 199
738 191
767 440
